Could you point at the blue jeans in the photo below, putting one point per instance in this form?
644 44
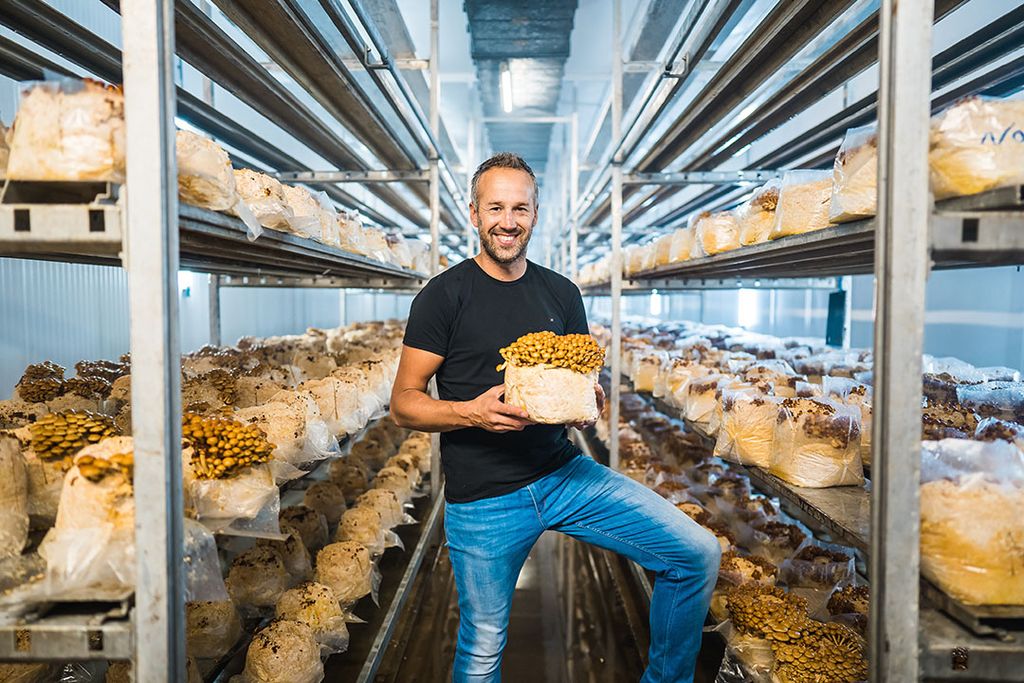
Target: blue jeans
490 539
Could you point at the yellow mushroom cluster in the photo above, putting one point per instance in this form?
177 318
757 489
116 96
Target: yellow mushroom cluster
222 447
577 352
96 469
58 436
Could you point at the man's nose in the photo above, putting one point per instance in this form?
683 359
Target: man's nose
508 219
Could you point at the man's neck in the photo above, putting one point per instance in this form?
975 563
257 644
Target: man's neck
507 272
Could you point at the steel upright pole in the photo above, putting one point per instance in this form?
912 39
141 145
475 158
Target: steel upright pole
470 168
435 209
901 268
151 213
214 285
616 265
574 189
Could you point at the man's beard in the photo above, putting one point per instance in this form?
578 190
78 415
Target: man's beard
501 254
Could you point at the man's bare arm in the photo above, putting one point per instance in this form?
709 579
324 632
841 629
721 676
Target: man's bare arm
413 408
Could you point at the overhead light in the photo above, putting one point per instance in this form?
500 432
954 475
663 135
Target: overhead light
506 88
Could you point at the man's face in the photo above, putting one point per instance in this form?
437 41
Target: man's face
505 213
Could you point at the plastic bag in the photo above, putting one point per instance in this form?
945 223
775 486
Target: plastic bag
777 541
748 659
388 506
328 216
700 401
994 429
662 251
819 566
817 443
1004 400
804 199
756 217
646 369
293 552
346 568
283 652
682 245
977 145
68 130
257 578
715 233
395 479
326 498
854 393
341 404
206 179
264 197
311 525
212 627
14 520
364 525
30 672
248 501
972 503
291 421
92 544
305 212
316 606
855 176
203 580
747 431
552 395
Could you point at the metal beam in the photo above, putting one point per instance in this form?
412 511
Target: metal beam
152 214
701 177
616 260
316 177
901 269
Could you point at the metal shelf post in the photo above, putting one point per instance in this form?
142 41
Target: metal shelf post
152 229
616 264
901 258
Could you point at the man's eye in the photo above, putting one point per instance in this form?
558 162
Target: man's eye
495 209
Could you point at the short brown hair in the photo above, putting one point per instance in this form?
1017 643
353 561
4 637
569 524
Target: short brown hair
503 160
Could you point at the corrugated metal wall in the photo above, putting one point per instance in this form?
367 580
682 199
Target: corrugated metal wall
70 312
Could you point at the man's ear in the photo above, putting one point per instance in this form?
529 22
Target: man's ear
472 214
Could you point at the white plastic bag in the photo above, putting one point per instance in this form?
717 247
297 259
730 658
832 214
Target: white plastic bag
977 145
756 216
817 443
68 130
804 199
552 395
855 176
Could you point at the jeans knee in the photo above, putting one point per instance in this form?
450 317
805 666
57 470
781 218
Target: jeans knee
479 650
698 557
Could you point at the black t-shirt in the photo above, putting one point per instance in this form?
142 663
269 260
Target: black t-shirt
466 316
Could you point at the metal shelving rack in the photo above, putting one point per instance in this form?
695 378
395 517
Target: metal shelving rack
908 237
149 233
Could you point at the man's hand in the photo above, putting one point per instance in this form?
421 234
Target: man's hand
599 394
488 412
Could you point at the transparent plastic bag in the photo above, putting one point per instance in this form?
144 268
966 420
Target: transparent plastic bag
747 431
756 217
264 197
817 443
819 566
346 568
68 130
328 217
1004 400
682 245
311 525
855 176
326 498
854 393
363 525
972 503
700 400
717 232
646 369
977 144
14 520
282 652
994 429
203 579
212 627
748 659
316 606
249 500
293 552
205 177
662 251
804 199
257 578
305 212
291 421
30 672
552 395
340 403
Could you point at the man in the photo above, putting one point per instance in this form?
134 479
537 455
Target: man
507 479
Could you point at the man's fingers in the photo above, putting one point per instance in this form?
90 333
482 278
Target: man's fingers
511 411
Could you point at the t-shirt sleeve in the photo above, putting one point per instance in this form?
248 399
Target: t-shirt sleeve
429 321
576 321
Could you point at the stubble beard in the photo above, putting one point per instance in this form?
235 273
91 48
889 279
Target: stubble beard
500 254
